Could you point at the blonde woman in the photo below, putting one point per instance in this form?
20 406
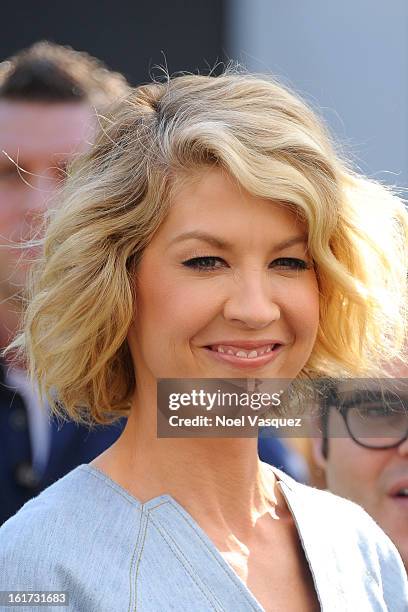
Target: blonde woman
211 232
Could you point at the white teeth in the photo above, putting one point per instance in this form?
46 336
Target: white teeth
403 492
252 354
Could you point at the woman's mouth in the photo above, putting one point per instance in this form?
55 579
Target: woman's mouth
245 356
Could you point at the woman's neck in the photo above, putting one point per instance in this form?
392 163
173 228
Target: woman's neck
217 479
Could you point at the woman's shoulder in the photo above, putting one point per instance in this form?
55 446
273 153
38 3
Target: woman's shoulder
75 497
61 531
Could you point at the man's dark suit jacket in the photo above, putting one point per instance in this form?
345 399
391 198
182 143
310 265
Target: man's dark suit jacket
70 445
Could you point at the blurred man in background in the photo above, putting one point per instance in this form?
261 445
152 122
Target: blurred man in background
364 453
49 100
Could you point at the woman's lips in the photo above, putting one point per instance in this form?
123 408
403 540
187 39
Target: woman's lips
246 363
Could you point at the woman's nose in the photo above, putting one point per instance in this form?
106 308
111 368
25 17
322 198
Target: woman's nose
251 302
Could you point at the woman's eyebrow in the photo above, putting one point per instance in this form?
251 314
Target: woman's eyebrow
204 237
224 244
285 244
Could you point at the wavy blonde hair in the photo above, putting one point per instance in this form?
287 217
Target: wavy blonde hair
117 195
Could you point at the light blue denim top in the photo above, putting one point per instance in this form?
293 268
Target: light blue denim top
88 536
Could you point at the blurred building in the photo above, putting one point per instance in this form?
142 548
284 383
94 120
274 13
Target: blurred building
348 59
129 36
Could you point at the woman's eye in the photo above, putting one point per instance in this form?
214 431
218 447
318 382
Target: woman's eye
290 263
214 263
204 263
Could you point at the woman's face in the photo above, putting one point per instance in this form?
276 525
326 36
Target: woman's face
226 288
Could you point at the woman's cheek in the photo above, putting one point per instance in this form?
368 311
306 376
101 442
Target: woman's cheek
302 305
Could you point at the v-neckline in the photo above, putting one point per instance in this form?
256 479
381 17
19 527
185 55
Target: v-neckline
157 502
153 506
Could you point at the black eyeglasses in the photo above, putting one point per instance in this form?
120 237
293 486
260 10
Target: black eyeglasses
374 419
